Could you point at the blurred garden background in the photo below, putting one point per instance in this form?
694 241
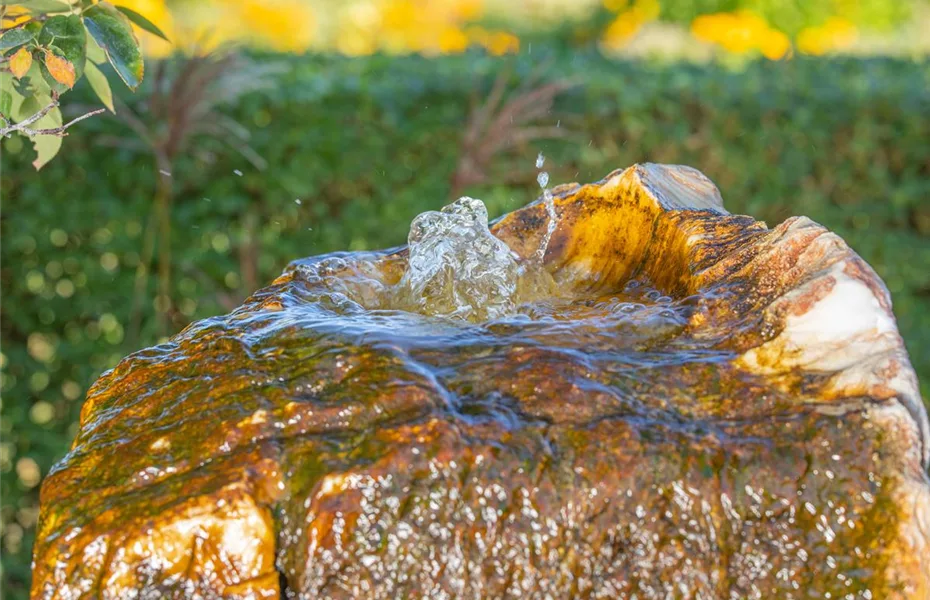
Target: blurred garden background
264 131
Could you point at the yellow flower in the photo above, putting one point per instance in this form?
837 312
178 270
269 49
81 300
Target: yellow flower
775 45
286 25
357 31
501 42
398 15
355 27
615 5
621 29
468 10
495 42
741 32
834 34
452 40
628 22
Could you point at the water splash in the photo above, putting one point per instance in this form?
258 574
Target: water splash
458 268
543 180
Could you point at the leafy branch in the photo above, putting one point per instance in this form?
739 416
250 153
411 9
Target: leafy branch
23 126
46 47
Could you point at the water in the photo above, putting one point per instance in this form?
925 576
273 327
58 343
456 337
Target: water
457 268
543 180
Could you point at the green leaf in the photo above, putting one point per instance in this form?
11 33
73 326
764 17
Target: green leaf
46 146
142 22
30 106
95 53
33 27
98 82
43 7
15 38
65 36
18 90
6 103
113 32
34 83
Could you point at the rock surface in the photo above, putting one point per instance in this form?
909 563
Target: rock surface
721 410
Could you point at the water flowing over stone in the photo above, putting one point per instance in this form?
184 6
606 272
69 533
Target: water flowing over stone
694 406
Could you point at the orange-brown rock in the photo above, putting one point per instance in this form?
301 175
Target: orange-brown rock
710 409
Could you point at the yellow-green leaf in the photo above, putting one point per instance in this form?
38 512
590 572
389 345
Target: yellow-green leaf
95 53
46 146
44 7
7 92
20 62
6 103
98 82
59 68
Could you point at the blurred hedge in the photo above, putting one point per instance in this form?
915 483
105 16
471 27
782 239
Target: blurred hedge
366 144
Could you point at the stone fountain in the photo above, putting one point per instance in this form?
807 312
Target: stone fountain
676 402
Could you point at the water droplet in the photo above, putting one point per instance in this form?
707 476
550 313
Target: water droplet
543 179
237 172
540 160
297 201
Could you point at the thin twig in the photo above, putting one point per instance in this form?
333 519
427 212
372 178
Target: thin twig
60 131
6 131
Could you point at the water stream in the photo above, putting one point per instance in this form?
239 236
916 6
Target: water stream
543 180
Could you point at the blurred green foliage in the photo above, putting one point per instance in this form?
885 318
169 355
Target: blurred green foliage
791 17
357 147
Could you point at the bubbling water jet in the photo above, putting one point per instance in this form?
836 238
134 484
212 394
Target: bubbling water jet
457 268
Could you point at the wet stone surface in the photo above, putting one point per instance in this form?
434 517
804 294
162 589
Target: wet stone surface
613 429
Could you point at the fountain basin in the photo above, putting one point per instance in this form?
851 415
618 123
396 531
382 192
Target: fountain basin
696 406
